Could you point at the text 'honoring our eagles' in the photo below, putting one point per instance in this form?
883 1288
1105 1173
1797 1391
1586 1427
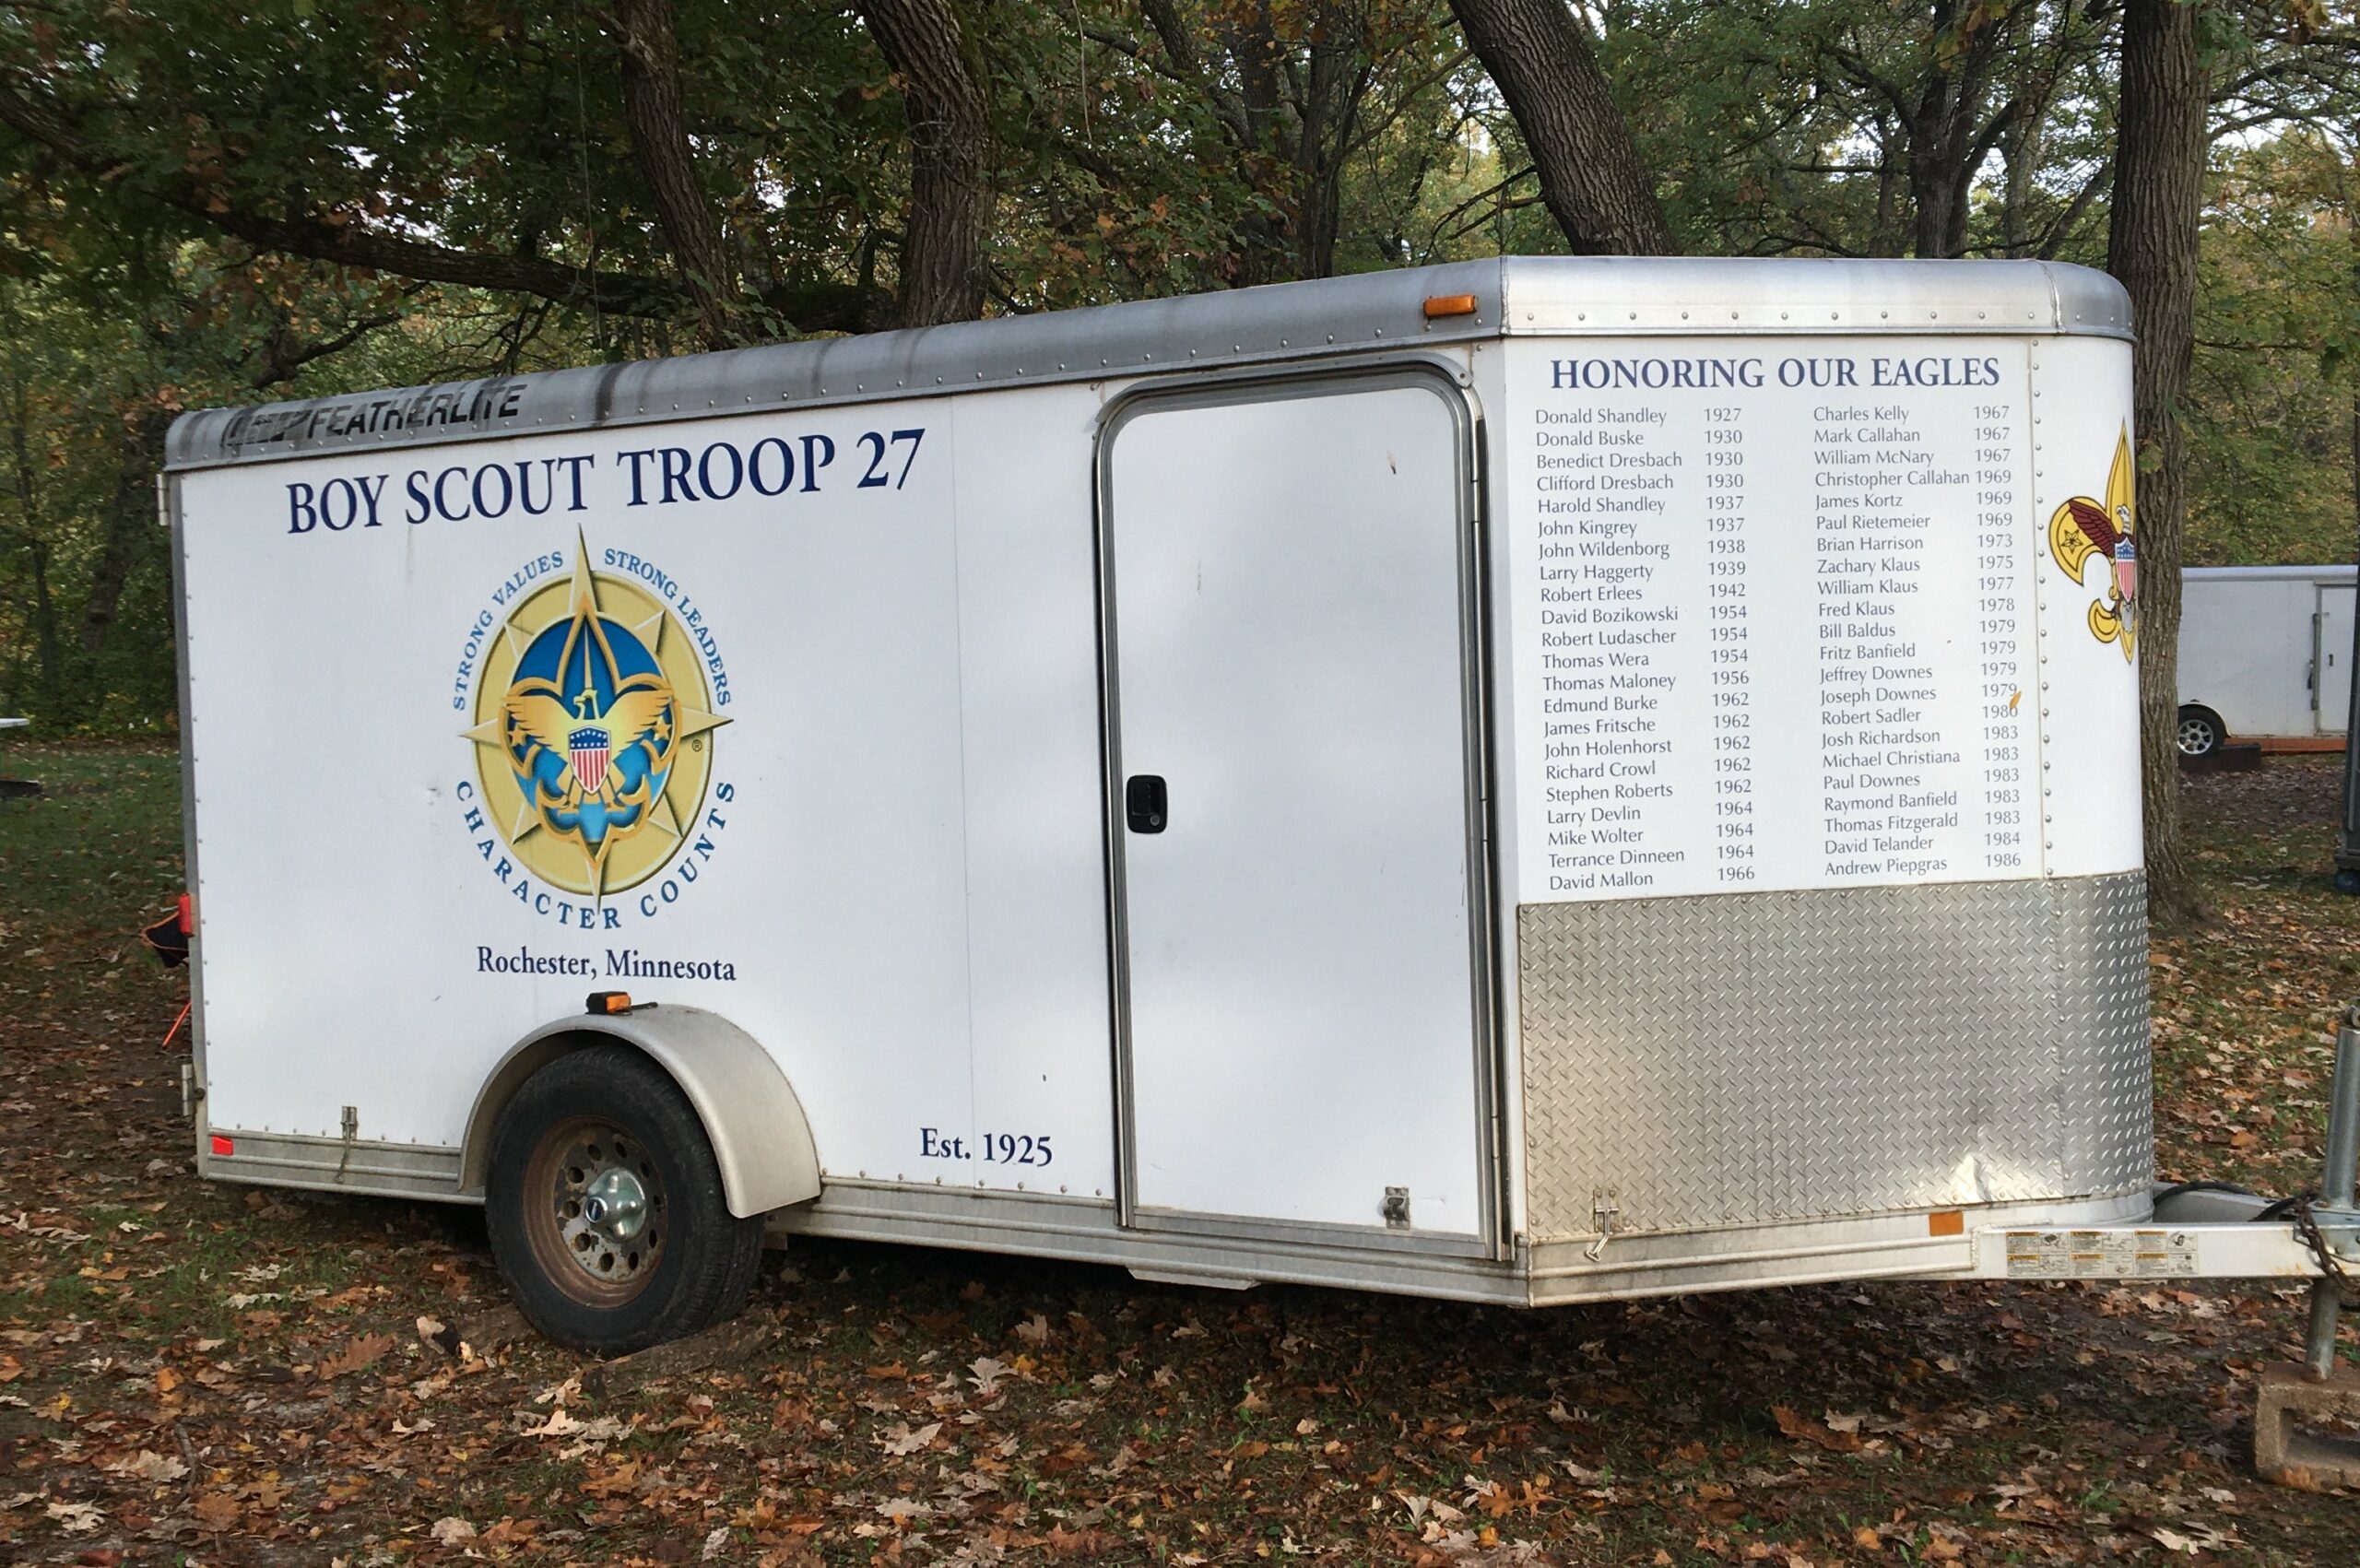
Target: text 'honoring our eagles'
1777 624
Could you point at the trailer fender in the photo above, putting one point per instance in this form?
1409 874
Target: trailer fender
759 1136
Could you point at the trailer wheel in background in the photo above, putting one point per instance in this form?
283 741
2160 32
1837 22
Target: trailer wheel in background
2201 733
606 1206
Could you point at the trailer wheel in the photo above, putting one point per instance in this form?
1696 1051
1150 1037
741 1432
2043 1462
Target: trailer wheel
2201 733
606 1208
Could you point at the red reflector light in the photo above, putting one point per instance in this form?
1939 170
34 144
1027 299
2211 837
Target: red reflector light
188 915
224 1145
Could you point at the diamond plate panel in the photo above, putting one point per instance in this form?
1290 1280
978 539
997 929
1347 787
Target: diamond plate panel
1783 1056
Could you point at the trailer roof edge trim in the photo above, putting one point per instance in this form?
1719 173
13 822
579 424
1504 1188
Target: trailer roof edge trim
2329 572
1236 328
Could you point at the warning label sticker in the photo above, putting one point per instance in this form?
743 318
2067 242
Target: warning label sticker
2100 1255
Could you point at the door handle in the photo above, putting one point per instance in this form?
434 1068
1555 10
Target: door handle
1143 803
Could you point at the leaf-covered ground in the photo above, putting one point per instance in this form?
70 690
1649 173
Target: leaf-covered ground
191 1373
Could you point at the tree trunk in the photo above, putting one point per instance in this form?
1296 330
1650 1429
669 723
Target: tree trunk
951 158
1937 184
2150 248
659 141
1590 175
46 637
130 533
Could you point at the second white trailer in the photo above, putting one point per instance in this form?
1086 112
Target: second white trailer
2265 654
1529 781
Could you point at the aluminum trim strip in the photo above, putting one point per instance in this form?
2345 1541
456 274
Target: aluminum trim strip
1279 324
328 1164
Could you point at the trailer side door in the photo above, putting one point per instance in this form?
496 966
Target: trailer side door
1294 779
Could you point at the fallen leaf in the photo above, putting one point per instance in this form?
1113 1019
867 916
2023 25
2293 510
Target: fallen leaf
452 1528
75 1518
900 1438
558 1424
218 1510
149 1466
353 1357
1803 1429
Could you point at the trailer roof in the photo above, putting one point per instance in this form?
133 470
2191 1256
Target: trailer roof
1685 295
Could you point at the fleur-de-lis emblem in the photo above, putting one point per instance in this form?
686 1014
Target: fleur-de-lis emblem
2084 528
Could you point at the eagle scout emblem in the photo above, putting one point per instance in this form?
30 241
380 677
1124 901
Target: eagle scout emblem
594 732
2083 530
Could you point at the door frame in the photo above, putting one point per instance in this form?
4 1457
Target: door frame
1451 385
2322 720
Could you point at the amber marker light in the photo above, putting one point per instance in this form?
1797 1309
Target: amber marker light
1441 305
1946 1223
610 1001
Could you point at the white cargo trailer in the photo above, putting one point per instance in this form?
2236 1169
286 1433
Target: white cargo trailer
1531 780
2265 654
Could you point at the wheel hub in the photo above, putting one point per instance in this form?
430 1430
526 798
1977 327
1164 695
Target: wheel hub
598 1225
616 1204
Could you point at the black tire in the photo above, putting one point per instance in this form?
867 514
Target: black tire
2201 733
606 1208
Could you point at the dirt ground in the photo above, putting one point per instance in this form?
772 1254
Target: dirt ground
193 1373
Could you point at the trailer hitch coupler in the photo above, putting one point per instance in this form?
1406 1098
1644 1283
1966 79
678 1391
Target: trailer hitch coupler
2344 1117
2336 1183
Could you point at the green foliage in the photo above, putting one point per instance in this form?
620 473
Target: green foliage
2276 391
185 192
